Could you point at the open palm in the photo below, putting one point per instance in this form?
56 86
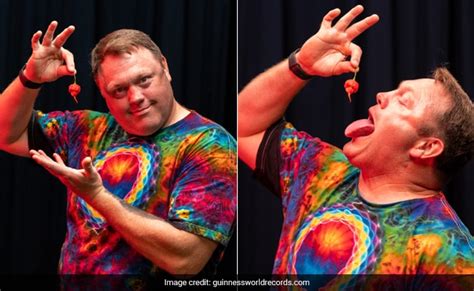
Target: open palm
85 182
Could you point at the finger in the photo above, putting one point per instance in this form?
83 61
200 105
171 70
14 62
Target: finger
48 166
329 17
35 39
87 166
58 159
359 27
61 38
39 157
69 67
34 154
51 166
346 20
356 54
342 68
48 36
43 154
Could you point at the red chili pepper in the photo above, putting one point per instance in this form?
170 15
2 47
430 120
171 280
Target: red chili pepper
74 89
351 86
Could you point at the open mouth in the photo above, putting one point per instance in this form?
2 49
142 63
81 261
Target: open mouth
361 127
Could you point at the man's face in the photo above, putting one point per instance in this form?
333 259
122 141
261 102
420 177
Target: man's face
136 87
396 119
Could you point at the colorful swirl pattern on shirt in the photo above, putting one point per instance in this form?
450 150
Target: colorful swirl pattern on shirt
184 174
129 171
342 239
329 229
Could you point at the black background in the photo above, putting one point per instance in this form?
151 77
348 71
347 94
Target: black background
411 39
198 39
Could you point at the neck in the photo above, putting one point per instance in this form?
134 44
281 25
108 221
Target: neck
386 188
178 112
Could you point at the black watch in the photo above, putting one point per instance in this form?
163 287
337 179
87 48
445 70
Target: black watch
27 83
296 68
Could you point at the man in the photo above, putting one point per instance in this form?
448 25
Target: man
151 186
375 207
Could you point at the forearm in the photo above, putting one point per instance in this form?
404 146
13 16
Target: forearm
173 250
16 105
324 54
48 62
265 99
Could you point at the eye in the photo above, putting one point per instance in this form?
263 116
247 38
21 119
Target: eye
145 80
405 99
119 92
401 100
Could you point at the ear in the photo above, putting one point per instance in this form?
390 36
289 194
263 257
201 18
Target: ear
164 65
427 148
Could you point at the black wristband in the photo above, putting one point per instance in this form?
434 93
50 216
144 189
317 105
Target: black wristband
296 68
27 83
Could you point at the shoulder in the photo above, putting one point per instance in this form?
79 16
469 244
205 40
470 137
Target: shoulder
311 151
197 129
440 224
71 116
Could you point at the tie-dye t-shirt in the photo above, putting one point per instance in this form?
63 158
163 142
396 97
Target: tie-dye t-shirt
184 173
329 229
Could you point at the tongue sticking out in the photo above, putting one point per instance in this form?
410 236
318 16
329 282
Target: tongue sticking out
359 128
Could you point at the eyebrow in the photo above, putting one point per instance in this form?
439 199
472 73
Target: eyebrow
137 78
404 86
112 87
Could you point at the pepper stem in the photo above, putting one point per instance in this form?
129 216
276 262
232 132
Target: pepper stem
355 74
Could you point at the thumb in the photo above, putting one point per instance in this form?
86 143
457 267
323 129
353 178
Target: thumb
343 67
88 167
68 58
63 70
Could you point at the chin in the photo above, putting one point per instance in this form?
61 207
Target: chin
347 149
351 153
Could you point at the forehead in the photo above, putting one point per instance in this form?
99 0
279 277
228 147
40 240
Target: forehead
417 84
430 96
425 90
135 55
116 67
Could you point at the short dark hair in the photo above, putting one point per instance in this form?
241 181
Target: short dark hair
119 42
456 126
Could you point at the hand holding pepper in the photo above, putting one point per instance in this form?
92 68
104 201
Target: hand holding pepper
49 60
331 51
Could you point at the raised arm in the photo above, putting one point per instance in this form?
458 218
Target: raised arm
48 62
329 52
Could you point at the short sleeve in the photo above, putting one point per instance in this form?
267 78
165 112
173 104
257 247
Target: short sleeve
267 169
49 132
289 162
203 198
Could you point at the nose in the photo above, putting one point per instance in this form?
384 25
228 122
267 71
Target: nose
382 100
135 96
